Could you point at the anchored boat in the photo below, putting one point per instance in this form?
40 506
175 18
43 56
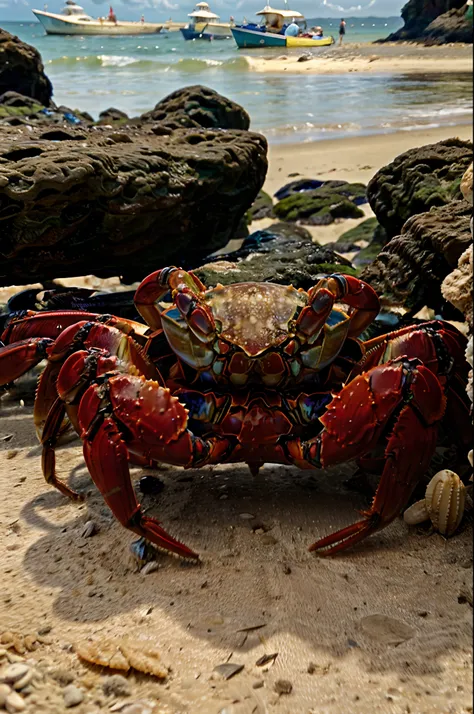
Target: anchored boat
73 21
204 25
270 32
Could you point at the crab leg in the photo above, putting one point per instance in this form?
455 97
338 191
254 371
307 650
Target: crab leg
49 437
157 285
403 396
20 357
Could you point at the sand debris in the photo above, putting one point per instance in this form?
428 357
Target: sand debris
123 653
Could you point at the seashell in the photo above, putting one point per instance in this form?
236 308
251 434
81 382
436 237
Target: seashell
417 513
445 499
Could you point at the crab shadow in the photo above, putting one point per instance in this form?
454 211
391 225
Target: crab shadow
253 535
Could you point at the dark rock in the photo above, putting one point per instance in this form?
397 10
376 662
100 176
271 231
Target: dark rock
111 115
278 257
198 106
321 206
409 270
297 186
21 69
370 231
417 16
262 207
73 208
418 180
451 26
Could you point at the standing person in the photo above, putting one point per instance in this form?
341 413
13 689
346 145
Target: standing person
342 30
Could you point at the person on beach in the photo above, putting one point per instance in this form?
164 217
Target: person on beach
342 30
292 30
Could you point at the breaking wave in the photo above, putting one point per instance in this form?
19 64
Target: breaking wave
188 65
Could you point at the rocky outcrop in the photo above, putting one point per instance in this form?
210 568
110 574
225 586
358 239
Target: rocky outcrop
281 254
451 26
409 270
418 15
120 203
418 180
22 71
198 106
321 206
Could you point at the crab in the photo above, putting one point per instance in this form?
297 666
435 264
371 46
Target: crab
249 372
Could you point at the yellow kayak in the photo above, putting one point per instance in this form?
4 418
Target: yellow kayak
308 42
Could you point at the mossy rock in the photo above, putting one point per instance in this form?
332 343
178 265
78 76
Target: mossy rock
322 205
262 207
364 231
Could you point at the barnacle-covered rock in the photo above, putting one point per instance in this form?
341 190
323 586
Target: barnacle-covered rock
21 69
443 504
409 270
84 201
198 106
417 181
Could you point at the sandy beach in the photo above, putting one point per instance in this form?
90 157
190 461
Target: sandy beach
368 58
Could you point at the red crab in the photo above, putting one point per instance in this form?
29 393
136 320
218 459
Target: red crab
251 372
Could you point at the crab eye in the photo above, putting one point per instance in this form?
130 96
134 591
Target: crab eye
184 303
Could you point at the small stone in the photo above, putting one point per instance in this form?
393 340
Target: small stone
45 630
151 485
25 680
246 516
14 703
62 676
116 685
258 684
229 669
150 567
283 686
72 696
14 672
139 707
90 528
12 453
4 692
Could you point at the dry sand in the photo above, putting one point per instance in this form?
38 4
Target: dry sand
367 58
256 572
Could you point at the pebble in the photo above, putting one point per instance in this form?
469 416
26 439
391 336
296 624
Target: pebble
90 528
283 686
72 696
14 703
229 669
12 453
140 707
151 485
246 516
14 672
258 684
4 692
116 685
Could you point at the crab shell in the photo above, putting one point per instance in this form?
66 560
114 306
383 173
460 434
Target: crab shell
443 504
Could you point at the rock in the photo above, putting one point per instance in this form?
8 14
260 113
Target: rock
116 685
14 703
323 205
387 630
73 208
419 14
14 672
62 676
21 69
451 26
73 696
283 686
111 115
369 230
4 692
418 180
306 57
457 287
262 207
277 256
228 669
409 270
198 106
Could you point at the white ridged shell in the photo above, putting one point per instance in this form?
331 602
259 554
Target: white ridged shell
445 499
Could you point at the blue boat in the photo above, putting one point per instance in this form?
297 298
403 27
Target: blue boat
271 33
204 25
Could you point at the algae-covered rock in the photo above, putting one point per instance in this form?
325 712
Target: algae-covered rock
323 205
21 70
100 205
409 270
198 106
276 256
418 180
262 207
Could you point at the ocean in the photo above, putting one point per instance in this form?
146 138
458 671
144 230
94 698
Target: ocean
134 73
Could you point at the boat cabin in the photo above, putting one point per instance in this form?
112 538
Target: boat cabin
75 11
275 20
202 14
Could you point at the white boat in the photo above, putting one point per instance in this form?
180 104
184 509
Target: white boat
204 25
73 21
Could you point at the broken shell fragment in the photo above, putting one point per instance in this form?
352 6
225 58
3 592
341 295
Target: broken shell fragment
444 503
